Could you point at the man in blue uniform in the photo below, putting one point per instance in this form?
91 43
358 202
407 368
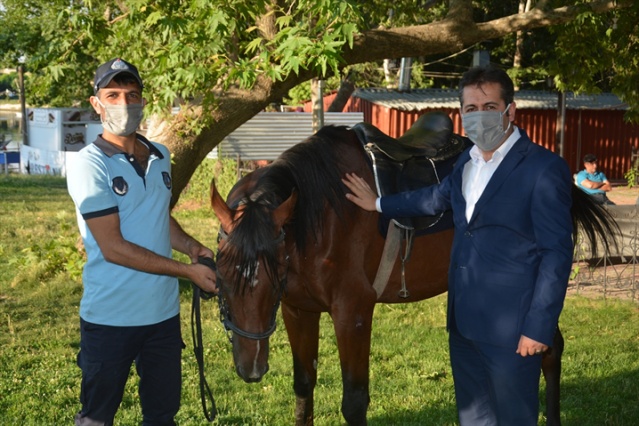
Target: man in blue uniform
511 255
593 181
129 312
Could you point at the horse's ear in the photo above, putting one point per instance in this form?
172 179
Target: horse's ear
221 209
284 211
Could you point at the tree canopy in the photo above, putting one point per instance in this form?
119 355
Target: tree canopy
224 61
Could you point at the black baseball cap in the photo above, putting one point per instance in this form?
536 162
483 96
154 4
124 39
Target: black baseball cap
590 158
105 73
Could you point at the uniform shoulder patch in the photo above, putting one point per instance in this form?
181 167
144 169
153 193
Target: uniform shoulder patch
166 177
119 185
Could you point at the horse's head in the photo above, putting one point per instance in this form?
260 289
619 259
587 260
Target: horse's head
251 274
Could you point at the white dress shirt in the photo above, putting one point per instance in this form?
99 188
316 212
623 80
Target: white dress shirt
477 172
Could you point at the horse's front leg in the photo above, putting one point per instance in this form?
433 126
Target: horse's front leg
551 367
303 335
353 330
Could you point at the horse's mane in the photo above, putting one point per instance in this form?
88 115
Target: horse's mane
317 166
313 170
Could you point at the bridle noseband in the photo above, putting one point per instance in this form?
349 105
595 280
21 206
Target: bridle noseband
225 314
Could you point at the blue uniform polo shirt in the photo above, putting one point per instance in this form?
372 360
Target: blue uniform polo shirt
592 177
103 180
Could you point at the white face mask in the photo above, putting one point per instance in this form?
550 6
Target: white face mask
485 128
122 120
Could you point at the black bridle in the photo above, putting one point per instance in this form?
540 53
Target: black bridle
225 314
225 318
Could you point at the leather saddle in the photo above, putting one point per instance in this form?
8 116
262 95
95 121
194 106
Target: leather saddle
419 158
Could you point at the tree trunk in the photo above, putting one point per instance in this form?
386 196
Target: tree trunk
524 6
346 89
233 109
389 68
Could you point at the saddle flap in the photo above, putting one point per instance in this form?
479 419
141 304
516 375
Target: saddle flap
392 177
413 160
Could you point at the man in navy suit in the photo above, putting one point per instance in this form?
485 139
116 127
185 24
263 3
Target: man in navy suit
511 255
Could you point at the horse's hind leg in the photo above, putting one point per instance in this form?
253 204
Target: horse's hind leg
303 335
551 367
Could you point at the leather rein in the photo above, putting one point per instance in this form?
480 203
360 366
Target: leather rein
198 346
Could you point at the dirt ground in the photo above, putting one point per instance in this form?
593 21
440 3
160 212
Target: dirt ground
621 194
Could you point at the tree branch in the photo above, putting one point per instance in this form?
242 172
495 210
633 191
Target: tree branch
458 31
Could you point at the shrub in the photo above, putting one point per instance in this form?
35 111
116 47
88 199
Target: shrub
223 171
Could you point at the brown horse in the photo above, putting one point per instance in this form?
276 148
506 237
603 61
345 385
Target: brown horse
288 234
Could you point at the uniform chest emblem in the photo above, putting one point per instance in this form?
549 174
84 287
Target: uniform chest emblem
119 186
167 180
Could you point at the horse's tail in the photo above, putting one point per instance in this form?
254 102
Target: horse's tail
594 221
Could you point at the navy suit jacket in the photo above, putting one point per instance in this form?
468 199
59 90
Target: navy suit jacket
511 262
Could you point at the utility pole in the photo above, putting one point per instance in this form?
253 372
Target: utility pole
317 99
23 105
404 75
561 123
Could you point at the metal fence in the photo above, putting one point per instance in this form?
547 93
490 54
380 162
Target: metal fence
615 275
268 134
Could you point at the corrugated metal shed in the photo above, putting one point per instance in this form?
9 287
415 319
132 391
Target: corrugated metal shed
420 99
268 134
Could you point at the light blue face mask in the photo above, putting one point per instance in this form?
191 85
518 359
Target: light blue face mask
122 120
485 128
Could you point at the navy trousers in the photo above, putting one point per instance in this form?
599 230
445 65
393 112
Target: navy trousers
105 358
494 386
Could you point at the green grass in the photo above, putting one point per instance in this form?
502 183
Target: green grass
411 382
